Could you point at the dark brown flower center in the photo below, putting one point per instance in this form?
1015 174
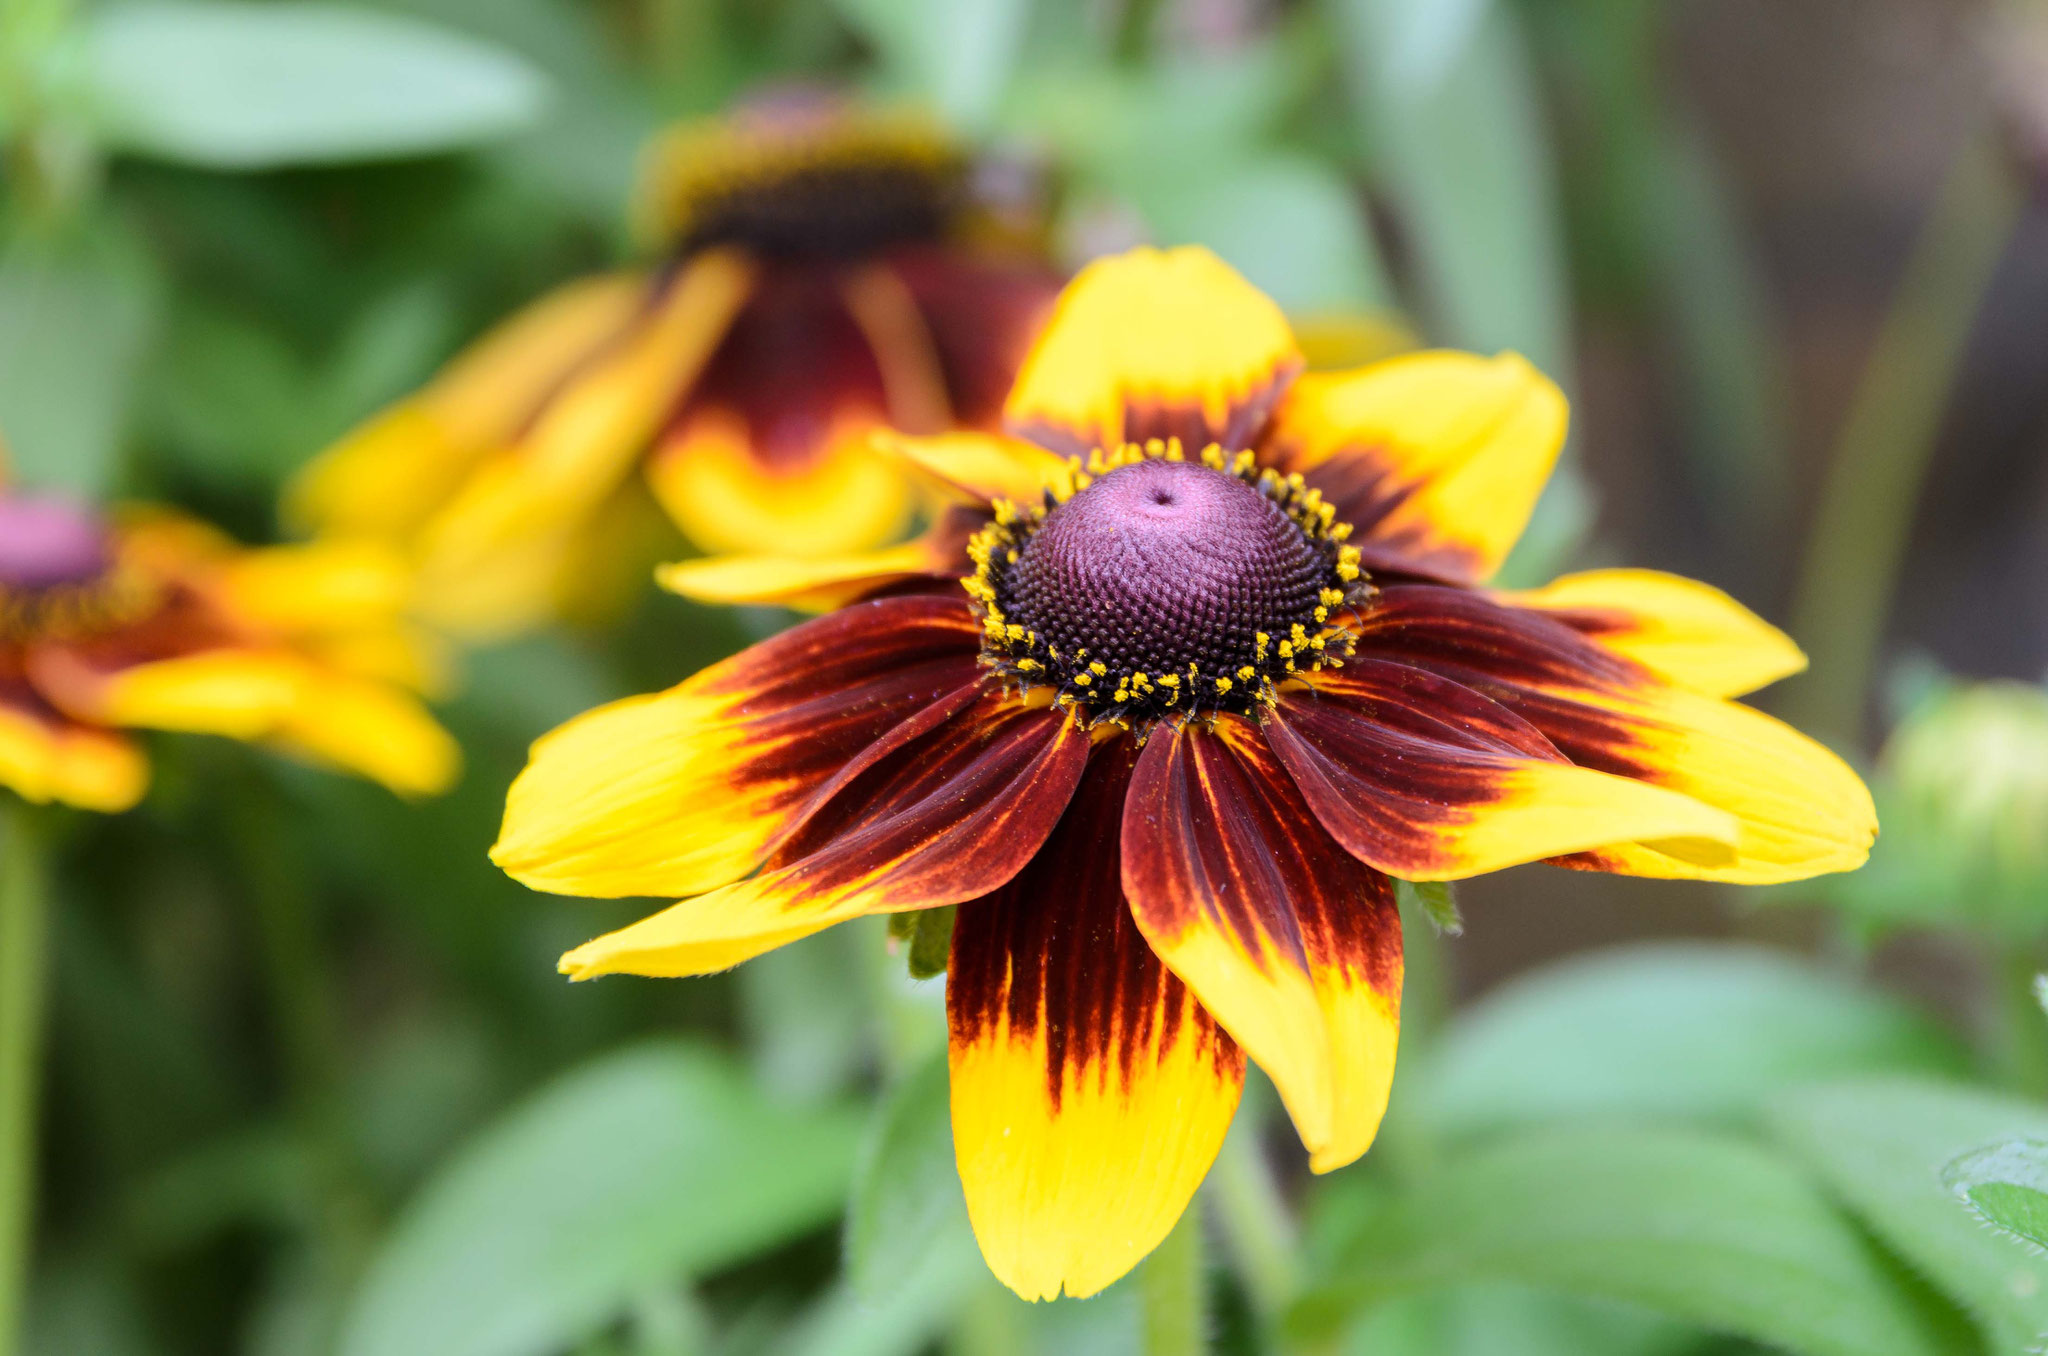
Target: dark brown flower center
1161 585
828 211
801 176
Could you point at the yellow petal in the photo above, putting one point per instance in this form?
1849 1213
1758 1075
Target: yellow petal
1291 943
273 696
1090 1090
582 444
684 791
387 476
947 816
1798 810
43 759
1691 633
371 729
812 584
848 498
324 587
240 693
1436 459
1426 779
1154 344
982 467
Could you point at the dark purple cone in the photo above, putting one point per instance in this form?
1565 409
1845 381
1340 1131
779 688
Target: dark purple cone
48 542
1162 564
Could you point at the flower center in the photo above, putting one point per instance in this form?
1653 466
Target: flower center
58 577
796 179
1151 585
45 543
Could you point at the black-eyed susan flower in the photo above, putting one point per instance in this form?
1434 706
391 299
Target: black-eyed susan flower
821 272
150 621
1200 663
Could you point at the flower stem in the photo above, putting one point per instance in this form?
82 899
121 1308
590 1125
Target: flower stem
2020 1026
24 938
1257 1228
1881 455
1172 1293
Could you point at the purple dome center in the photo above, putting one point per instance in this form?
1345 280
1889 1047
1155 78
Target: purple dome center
1162 565
46 542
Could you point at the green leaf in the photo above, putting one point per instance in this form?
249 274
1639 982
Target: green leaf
1668 1030
907 1202
901 1322
1287 222
1438 903
1708 1229
1455 117
657 1162
2007 1185
74 322
1882 1145
1487 1320
248 86
931 944
959 54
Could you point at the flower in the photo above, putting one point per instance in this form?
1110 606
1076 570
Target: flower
823 272
156 622
1964 781
1201 662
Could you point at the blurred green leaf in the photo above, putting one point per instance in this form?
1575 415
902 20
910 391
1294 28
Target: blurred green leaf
2007 1185
1882 1146
1488 1320
239 86
229 399
907 1202
1129 129
391 346
1287 222
1709 1229
958 54
1461 150
583 155
806 1016
653 1163
74 321
1678 1030
900 1323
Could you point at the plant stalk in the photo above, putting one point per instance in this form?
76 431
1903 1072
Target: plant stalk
24 970
1172 1292
1881 455
1257 1228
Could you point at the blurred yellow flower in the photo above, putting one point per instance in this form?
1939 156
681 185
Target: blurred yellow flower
152 621
824 272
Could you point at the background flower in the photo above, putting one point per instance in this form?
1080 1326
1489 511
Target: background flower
823 271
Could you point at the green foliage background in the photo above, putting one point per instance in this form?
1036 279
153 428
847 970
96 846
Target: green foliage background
312 1083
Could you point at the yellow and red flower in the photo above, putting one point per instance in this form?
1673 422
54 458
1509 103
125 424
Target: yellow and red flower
823 273
1200 663
156 622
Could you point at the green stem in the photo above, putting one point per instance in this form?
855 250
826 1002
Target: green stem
2021 1026
24 940
308 1026
1172 1293
1881 454
1257 1228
